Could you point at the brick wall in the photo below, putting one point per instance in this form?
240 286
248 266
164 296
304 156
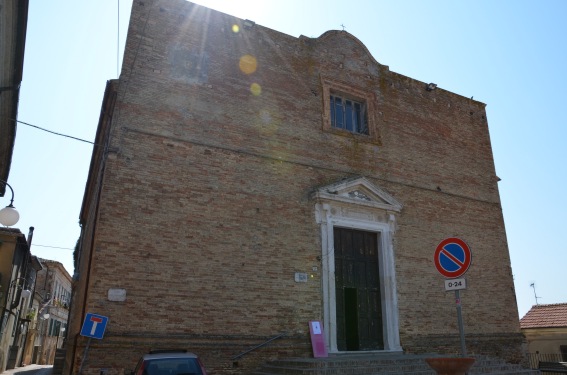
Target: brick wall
205 213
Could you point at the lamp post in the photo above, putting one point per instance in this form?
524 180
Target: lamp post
8 215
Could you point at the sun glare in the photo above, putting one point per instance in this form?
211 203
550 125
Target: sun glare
256 89
248 64
245 9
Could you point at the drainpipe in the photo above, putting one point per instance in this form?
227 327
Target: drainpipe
30 237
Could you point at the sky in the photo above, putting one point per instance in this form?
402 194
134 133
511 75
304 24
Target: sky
509 54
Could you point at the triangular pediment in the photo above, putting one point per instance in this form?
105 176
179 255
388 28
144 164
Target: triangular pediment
358 191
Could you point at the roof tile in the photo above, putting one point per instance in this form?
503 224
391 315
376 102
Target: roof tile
545 316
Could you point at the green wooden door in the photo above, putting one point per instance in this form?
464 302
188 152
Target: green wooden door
357 290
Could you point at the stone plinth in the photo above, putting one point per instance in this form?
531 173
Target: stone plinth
450 366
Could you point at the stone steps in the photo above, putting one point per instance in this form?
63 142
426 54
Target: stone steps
381 364
58 362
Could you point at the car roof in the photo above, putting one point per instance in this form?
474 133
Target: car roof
169 354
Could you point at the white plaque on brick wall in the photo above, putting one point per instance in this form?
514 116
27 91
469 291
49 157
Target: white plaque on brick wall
117 295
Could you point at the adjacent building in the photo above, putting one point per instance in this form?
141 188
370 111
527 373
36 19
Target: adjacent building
51 307
13 27
18 271
17 266
545 329
246 182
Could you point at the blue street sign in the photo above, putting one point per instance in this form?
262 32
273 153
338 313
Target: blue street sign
94 326
452 257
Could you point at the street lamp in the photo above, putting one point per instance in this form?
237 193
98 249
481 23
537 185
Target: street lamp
8 215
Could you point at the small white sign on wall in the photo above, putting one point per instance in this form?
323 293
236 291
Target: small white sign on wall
455 284
117 295
300 277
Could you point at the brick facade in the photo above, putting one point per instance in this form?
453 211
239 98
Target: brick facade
201 199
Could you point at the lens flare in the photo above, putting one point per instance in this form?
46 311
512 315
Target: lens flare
235 28
256 89
265 116
266 124
248 64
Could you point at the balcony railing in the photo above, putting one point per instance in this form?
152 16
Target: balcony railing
535 358
258 346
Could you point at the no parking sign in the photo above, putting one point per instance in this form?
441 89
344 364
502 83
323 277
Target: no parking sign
452 257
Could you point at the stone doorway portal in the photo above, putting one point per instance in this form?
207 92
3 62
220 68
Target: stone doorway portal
360 308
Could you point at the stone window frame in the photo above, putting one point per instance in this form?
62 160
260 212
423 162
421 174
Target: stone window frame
345 90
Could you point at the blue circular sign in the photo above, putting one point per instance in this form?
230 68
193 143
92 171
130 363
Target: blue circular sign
452 257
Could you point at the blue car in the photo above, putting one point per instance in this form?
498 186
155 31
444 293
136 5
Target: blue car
169 362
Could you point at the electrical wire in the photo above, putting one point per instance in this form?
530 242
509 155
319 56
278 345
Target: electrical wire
52 132
53 247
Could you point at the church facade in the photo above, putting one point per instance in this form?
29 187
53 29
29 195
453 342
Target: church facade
245 182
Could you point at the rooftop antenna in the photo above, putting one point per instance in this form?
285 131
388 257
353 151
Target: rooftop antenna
535 295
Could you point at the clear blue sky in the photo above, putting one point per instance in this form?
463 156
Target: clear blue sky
511 55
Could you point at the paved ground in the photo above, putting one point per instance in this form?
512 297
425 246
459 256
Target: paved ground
30 370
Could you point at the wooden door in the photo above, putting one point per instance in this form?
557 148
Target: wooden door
357 290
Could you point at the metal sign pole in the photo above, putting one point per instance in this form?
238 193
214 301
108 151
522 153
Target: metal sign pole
460 322
85 355
452 259
93 327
